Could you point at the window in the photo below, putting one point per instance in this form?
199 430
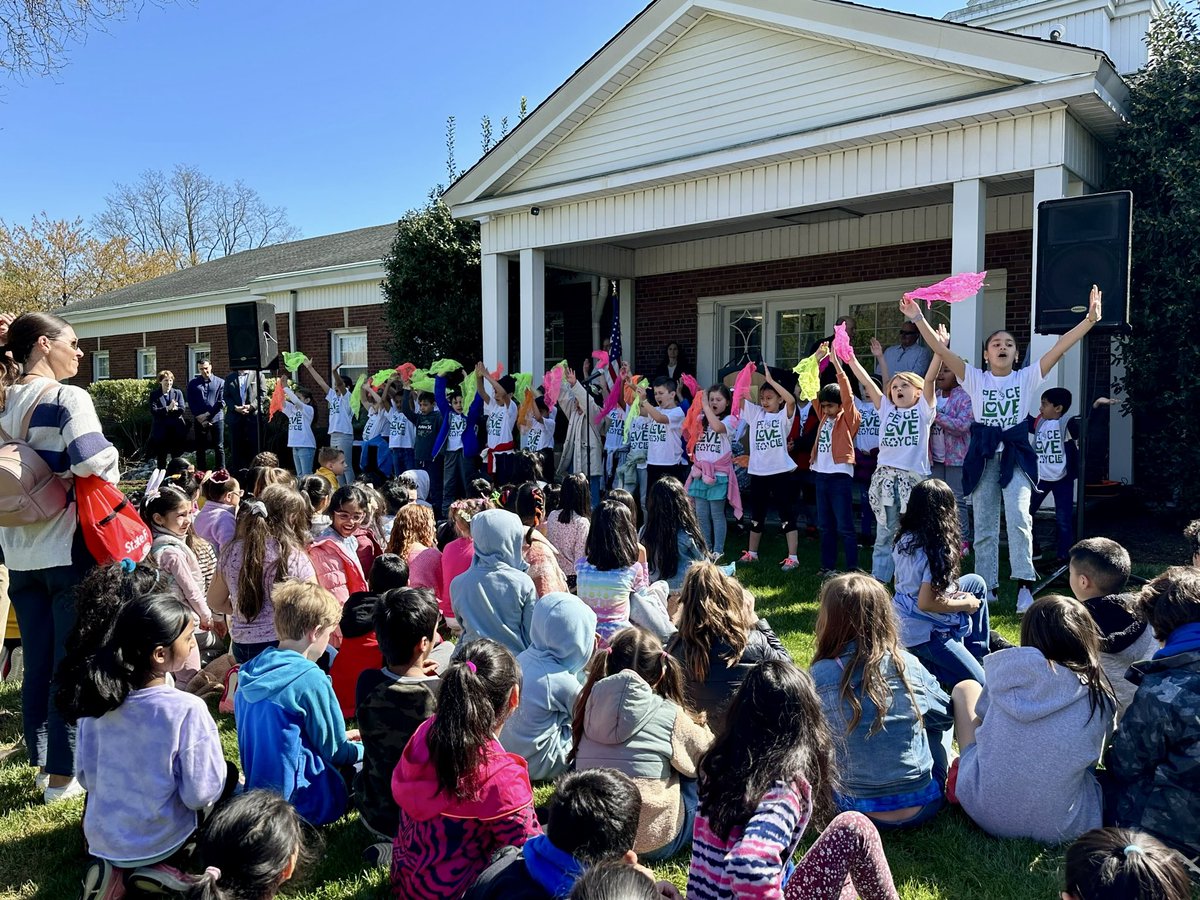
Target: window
796 330
556 336
100 365
147 362
196 354
744 335
349 348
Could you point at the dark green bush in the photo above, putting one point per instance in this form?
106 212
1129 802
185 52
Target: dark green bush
123 405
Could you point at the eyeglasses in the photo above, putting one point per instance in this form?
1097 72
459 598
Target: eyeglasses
348 517
74 345
908 333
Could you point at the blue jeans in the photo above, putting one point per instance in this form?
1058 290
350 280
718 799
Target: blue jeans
345 443
882 565
952 475
303 458
243 653
402 460
689 790
986 500
1063 492
596 482
950 659
713 524
835 518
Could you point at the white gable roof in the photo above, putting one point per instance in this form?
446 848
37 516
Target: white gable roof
690 77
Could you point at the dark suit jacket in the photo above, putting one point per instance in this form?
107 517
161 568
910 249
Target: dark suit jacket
165 422
233 390
207 398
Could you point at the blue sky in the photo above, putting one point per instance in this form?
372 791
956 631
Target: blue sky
335 110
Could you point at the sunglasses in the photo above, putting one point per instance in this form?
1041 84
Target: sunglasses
909 333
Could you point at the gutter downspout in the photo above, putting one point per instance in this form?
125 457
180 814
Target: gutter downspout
294 301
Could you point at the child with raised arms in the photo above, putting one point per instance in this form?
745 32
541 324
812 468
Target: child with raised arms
772 471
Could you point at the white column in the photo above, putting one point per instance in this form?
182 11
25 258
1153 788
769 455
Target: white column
628 311
706 343
533 313
494 279
969 220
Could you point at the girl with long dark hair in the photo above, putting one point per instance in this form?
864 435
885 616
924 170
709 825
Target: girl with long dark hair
610 570
672 534
567 527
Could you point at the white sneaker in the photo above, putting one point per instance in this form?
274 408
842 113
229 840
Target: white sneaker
1024 600
41 781
68 791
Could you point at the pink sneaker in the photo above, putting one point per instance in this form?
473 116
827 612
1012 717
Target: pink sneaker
102 881
747 558
160 880
789 565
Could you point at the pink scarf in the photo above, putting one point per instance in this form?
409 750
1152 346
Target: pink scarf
708 471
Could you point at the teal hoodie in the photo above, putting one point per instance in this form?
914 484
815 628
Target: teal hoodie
494 598
562 638
291 734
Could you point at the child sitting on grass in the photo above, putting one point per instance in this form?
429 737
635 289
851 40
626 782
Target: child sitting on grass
1099 571
216 520
562 638
360 648
1152 759
461 796
494 598
291 734
1121 864
391 702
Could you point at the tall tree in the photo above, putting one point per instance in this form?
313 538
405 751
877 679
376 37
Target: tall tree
192 216
1156 157
432 287
52 262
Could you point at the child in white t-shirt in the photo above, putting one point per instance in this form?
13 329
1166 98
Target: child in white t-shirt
906 415
302 442
664 432
1052 443
633 472
615 445
500 416
1001 466
400 430
866 457
712 481
772 470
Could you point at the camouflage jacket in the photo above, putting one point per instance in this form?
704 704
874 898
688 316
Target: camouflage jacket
1154 759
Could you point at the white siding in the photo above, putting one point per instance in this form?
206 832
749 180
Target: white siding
973 150
906 226
1127 46
1086 29
1084 154
727 83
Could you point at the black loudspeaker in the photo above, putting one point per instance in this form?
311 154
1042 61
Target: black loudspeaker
1083 241
250 332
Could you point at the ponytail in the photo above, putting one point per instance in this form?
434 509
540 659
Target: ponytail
472 705
253 530
23 334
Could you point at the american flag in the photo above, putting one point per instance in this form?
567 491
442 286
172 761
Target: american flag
614 335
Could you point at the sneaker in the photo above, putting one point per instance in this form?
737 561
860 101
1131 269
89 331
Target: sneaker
748 557
41 781
160 880
16 671
1024 600
997 641
789 565
68 791
379 855
102 881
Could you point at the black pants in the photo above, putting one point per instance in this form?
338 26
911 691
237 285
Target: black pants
243 440
773 490
654 473
212 438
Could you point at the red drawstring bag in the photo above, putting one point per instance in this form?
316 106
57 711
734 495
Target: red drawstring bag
112 528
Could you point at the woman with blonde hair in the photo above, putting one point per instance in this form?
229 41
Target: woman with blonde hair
720 639
892 717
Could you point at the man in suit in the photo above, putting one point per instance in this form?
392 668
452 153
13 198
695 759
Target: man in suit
243 390
206 400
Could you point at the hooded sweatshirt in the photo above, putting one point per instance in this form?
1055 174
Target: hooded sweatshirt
291 735
562 638
444 843
420 478
494 598
1033 709
628 727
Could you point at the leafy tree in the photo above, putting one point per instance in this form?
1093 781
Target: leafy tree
52 262
1157 156
432 287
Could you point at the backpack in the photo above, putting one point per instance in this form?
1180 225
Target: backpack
29 491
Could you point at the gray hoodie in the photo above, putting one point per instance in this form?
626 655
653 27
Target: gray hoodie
1030 771
494 598
562 639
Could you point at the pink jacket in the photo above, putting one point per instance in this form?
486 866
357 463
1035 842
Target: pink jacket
174 558
337 571
955 422
456 559
425 571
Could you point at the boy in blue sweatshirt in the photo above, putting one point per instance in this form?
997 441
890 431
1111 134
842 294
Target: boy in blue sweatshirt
291 734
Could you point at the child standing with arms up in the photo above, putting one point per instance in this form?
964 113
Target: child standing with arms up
906 416
664 432
500 415
832 463
772 471
301 440
1001 466
712 480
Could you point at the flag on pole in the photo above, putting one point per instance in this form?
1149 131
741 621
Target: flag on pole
614 335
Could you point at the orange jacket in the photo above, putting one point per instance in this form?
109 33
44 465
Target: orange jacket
845 425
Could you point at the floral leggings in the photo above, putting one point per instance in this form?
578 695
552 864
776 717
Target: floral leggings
845 862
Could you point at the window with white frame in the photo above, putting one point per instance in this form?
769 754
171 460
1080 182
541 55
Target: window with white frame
196 354
100 365
147 362
349 349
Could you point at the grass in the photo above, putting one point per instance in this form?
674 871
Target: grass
41 848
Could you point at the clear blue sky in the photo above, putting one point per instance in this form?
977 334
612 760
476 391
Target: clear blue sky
335 110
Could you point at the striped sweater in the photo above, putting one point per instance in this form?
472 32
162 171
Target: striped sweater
750 864
66 433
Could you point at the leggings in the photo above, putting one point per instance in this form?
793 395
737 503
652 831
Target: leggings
846 861
713 525
778 490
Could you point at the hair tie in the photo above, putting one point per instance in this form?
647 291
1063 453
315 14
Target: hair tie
128 566
220 476
256 508
1134 850
213 872
470 665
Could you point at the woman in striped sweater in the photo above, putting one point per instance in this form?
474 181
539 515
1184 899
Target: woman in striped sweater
760 783
47 559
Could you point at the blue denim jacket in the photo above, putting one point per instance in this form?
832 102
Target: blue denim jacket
896 759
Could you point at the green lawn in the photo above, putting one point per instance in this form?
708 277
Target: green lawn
41 851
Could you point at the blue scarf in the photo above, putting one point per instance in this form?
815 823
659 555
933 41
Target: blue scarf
550 867
1184 639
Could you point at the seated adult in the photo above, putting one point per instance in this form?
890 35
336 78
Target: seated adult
720 639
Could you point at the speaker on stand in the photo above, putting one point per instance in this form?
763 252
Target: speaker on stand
1083 241
249 334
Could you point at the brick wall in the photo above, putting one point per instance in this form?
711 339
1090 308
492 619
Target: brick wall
666 304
